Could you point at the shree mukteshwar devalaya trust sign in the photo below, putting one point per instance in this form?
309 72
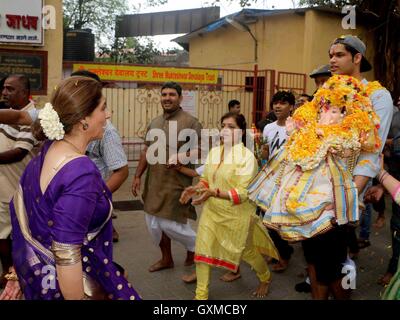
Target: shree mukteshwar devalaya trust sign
21 22
150 74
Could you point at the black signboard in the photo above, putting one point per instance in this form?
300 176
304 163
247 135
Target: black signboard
33 64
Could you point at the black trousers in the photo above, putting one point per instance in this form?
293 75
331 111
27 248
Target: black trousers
285 250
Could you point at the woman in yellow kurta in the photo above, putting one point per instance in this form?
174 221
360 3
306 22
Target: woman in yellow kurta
229 230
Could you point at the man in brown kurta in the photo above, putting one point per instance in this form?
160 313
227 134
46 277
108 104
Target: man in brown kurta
166 217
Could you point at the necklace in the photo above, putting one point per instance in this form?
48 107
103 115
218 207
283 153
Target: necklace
73 146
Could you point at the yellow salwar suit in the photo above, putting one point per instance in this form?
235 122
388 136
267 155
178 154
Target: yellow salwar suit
230 230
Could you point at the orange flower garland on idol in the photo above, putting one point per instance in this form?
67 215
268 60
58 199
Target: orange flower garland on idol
358 130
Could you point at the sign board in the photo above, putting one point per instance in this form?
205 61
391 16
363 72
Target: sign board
188 103
149 74
21 22
33 64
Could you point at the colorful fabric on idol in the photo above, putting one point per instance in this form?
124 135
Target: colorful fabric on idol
306 189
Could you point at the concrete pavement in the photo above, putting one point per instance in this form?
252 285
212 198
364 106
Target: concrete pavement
136 252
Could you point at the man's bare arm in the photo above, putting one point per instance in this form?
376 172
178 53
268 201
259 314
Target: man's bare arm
10 116
361 182
141 168
13 155
117 178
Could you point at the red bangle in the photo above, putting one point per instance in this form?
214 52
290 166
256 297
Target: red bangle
204 183
218 192
234 195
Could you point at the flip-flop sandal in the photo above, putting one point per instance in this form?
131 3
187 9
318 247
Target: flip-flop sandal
278 267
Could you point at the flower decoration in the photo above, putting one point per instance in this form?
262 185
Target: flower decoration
50 122
311 141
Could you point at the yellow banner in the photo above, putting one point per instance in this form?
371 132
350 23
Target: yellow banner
150 74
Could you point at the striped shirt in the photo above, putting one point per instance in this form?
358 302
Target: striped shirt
108 153
13 137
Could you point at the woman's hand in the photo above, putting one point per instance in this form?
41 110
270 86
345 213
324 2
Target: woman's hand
12 291
187 194
205 194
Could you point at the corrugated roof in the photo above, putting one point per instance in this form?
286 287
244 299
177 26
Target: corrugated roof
247 16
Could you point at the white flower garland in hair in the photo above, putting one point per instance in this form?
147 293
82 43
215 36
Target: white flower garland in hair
50 122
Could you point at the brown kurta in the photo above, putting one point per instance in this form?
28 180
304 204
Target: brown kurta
163 186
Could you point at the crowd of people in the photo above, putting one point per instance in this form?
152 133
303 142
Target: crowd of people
312 182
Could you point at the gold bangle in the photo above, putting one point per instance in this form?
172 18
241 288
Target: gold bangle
11 276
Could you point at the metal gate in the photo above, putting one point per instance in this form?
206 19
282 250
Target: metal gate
134 104
295 82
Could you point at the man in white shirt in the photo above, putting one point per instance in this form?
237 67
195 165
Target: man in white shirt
283 103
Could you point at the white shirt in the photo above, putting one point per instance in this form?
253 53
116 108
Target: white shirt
368 163
200 170
275 136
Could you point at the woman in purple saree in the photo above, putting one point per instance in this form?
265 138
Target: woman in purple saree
62 232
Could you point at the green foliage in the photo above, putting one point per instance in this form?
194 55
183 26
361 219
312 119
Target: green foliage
100 16
330 3
95 14
153 3
384 23
243 3
129 50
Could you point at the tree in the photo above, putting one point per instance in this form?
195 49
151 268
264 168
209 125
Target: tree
129 50
98 15
384 22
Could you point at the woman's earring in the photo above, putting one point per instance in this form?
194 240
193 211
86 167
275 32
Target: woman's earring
85 126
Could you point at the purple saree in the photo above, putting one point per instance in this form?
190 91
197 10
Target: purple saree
73 214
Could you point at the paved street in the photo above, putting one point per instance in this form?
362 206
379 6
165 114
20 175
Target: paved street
136 252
